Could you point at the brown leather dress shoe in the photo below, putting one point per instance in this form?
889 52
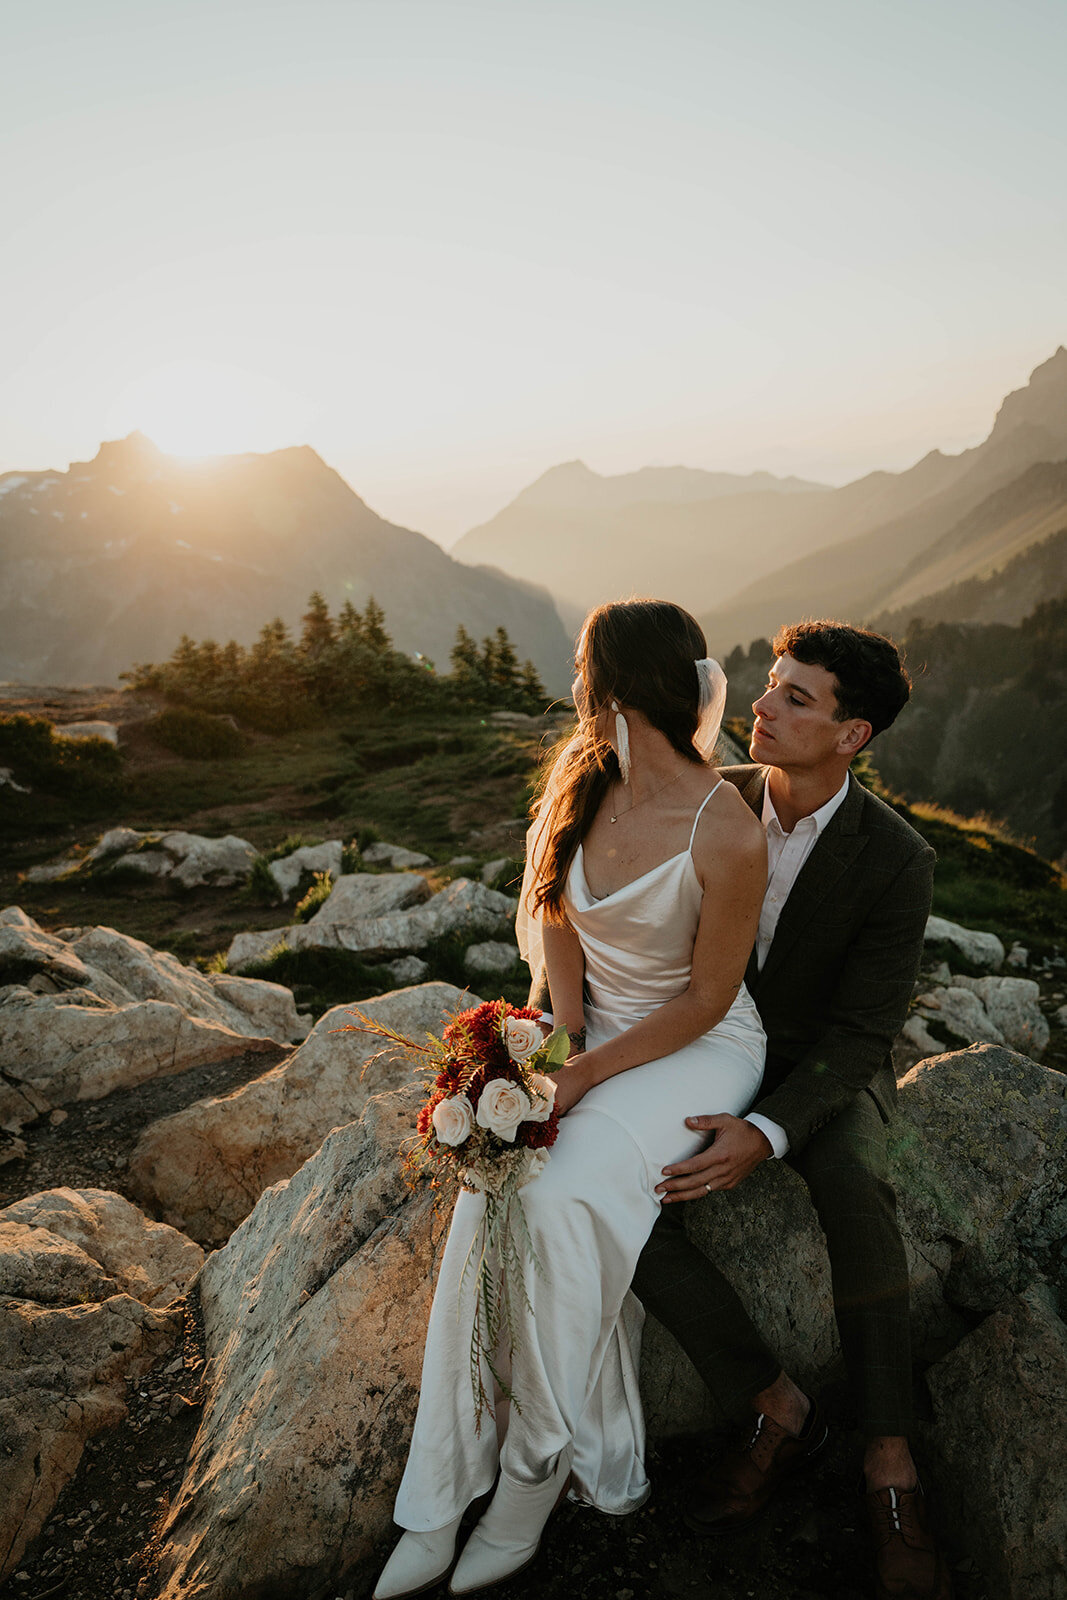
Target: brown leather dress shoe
908 1564
738 1487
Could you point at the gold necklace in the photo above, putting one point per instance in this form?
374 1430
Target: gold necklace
651 796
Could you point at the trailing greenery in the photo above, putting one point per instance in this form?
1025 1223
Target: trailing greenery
338 666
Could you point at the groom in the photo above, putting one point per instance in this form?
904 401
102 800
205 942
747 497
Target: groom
838 950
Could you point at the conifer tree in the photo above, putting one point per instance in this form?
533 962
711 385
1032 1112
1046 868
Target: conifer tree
319 633
374 627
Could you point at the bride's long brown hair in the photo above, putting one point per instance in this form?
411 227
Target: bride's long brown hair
640 653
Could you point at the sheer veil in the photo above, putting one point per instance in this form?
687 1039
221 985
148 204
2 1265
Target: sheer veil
711 705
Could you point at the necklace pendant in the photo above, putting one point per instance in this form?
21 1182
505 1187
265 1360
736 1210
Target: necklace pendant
614 819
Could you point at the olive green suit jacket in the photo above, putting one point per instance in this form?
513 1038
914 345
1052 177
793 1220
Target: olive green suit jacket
841 969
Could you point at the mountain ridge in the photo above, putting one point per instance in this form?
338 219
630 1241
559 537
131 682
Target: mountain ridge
111 561
743 560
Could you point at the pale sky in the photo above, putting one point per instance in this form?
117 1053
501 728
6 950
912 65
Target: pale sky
453 244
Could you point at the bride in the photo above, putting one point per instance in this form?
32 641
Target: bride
644 880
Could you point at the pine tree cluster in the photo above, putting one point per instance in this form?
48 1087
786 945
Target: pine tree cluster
340 665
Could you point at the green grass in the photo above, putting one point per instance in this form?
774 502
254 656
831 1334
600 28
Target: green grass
989 881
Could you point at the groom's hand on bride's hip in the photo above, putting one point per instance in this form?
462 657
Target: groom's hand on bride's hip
735 1149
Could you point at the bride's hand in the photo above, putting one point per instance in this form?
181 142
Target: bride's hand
571 1083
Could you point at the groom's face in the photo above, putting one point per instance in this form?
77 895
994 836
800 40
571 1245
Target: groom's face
795 718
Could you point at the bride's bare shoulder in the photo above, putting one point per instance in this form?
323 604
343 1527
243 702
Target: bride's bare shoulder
729 823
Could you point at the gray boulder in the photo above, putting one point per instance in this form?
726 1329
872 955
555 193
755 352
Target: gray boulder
107 731
997 1441
491 959
198 861
394 856
980 949
408 970
287 871
363 917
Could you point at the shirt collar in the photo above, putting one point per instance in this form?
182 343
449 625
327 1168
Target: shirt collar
820 818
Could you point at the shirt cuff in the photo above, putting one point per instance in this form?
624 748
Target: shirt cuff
779 1140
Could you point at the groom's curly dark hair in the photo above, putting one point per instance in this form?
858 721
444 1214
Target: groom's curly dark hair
872 681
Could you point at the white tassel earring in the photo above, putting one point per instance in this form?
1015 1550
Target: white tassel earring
622 739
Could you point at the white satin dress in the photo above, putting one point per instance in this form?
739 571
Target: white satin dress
575 1370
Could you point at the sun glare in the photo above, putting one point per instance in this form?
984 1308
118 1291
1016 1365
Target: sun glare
201 408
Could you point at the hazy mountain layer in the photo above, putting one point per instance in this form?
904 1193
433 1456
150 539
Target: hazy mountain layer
1008 595
745 552
110 562
980 509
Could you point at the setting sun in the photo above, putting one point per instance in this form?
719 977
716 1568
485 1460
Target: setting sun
200 408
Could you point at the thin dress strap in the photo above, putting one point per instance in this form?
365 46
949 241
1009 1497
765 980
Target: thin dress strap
700 810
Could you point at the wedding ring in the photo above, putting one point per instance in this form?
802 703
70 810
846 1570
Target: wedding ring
707 1188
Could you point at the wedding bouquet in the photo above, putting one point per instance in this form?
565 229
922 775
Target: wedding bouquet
487 1124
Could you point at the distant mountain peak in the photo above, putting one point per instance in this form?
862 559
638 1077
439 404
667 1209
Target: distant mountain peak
1041 404
136 450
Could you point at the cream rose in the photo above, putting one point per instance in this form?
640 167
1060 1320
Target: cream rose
536 1162
453 1119
501 1107
522 1035
545 1090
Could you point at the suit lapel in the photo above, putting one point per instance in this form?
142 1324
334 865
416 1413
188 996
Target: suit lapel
836 850
750 783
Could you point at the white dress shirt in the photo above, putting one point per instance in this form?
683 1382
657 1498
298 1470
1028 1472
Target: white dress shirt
786 854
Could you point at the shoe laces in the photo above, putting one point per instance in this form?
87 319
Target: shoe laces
900 1516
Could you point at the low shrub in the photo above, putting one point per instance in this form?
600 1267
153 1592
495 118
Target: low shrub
260 888
197 735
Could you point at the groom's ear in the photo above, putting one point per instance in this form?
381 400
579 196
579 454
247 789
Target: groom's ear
855 734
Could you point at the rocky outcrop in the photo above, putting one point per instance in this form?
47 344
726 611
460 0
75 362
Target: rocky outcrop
967 1010
293 1473
205 1167
367 914
91 1010
77 1270
315 1315
188 859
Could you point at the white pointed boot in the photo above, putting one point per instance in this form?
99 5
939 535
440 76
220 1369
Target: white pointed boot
419 1561
508 1536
